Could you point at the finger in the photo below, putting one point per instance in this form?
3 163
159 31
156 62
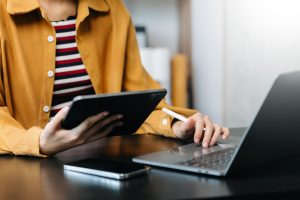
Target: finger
209 131
89 122
217 133
106 121
57 119
103 133
225 133
199 127
100 124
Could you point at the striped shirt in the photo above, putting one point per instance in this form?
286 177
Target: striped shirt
71 78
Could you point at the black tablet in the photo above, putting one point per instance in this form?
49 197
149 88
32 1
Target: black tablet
134 106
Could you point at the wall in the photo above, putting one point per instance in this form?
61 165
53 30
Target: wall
207 57
243 46
161 20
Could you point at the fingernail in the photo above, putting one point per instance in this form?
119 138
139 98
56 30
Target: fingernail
197 140
65 109
120 116
205 144
106 113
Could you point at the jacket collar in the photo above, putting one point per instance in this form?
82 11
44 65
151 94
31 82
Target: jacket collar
16 7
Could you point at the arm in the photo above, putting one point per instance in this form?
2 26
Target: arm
14 139
35 141
136 78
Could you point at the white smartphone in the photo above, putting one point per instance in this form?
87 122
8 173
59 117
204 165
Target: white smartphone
107 168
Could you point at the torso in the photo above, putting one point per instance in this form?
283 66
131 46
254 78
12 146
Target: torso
71 78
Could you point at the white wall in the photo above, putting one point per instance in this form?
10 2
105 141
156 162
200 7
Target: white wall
207 57
244 45
161 20
263 40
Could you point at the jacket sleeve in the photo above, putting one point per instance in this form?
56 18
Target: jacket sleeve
137 78
14 139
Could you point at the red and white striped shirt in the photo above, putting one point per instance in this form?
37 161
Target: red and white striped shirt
71 78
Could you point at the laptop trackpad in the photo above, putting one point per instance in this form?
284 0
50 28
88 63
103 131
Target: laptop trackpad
189 151
232 141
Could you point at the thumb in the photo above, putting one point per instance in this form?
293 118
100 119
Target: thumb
188 127
56 121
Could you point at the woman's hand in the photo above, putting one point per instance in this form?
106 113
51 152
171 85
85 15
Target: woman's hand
195 125
54 139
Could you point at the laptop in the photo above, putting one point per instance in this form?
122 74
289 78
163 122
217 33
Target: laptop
272 136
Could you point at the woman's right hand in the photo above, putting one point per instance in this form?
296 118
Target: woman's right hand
55 139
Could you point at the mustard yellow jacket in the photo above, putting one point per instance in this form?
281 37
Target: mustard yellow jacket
107 44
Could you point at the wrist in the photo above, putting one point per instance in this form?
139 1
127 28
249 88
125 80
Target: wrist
176 128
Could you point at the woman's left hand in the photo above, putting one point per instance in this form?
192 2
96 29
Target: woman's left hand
195 125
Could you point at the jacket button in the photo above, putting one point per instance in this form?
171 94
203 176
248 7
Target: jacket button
50 38
50 74
46 109
165 122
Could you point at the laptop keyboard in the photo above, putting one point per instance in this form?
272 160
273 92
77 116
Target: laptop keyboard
218 160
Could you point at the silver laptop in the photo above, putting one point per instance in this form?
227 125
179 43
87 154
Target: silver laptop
273 136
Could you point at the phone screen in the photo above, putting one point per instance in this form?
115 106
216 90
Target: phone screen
107 168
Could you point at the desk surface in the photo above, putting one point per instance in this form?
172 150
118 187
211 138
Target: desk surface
34 178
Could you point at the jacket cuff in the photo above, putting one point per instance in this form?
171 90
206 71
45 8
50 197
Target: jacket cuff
29 143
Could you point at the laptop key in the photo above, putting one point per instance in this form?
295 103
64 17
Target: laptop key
217 160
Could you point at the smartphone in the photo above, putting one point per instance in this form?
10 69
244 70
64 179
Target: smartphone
107 168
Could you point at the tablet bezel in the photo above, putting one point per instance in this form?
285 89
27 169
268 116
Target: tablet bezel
135 106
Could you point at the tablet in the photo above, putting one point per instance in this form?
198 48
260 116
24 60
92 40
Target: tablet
134 106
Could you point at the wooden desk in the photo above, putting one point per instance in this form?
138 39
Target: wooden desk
34 178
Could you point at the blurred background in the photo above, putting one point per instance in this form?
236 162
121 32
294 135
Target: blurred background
218 56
